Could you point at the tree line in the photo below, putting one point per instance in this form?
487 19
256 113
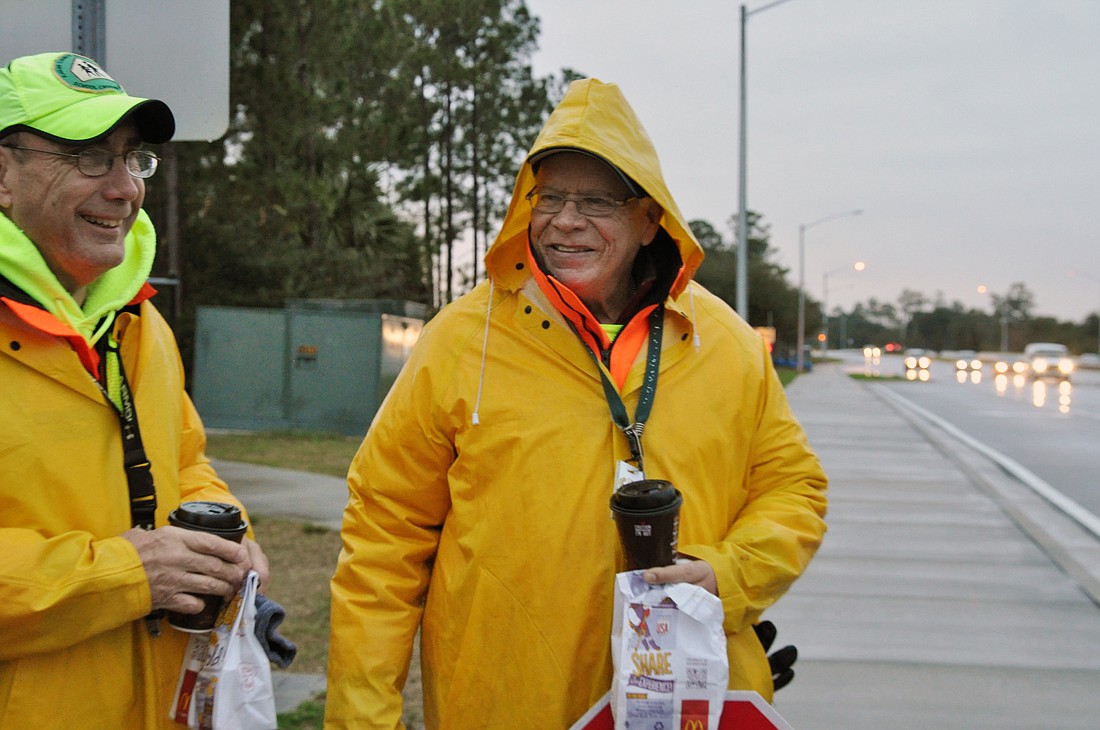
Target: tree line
913 320
367 143
370 154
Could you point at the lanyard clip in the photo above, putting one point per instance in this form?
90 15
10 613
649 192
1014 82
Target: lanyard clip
633 434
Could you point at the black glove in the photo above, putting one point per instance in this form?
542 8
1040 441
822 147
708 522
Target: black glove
781 660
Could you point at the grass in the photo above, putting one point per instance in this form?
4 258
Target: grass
303 557
876 378
320 453
307 716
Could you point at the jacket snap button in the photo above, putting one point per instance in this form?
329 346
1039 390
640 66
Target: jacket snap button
15 345
527 309
545 324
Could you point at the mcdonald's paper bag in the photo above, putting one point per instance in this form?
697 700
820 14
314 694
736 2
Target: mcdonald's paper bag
669 653
225 680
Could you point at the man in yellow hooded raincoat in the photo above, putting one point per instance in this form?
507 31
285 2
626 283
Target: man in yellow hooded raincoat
86 555
479 498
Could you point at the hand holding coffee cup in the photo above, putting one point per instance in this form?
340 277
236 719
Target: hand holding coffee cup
647 514
181 564
215 518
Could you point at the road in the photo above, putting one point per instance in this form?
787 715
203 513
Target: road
1050 428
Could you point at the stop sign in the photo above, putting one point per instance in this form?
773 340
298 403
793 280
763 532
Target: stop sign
742 711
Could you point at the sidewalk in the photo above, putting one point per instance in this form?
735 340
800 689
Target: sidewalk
941 598
929 605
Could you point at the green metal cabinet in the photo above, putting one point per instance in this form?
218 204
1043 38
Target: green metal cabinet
317 365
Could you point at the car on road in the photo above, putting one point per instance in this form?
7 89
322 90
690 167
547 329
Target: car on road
917 363
1010 365
918 359
1048 360
1088 361
967 360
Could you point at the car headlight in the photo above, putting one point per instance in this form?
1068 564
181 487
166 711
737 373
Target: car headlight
1019 367
975 364
925 363
1065 366
960 364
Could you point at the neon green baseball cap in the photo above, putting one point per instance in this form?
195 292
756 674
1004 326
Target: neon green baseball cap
70 98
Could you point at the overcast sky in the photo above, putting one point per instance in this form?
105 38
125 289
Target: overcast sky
968 131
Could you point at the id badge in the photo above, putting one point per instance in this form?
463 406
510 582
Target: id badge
625 473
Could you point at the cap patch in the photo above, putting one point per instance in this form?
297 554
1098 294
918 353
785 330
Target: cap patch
84 74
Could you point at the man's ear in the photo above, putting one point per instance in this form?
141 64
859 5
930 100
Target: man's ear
653 213
5 188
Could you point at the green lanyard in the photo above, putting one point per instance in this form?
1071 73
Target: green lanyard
633 431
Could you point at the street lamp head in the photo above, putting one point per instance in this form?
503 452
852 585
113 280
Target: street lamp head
834 216
860 266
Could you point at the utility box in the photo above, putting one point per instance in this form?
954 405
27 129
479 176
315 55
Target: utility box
317 365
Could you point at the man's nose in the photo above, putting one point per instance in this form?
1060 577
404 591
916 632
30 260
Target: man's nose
569 215
122 183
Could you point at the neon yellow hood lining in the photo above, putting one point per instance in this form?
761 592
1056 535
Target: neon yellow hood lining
22 264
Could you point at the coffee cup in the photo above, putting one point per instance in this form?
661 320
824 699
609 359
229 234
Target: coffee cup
215 518
647 514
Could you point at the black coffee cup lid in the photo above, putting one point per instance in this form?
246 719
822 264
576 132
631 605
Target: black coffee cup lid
645 494
215 515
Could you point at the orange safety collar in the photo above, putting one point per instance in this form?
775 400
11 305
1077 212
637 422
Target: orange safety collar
627 345
47 323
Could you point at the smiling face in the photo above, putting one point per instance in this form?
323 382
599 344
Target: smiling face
78 223
592 256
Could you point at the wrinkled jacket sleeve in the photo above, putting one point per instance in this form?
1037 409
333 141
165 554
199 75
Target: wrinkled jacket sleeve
782 523
397 504
58 591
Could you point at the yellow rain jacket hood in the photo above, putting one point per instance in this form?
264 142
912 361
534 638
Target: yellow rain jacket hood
596 118
478 509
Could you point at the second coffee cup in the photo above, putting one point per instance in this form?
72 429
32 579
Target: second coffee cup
216 518
647 514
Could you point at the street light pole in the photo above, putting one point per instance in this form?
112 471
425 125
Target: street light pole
742 215
801 334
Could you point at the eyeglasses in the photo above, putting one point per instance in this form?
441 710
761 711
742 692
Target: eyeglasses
591 206
97 162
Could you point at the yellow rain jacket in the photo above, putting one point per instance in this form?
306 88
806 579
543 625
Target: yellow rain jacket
74 650
479 498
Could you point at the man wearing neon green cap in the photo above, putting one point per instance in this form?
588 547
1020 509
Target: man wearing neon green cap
98 439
